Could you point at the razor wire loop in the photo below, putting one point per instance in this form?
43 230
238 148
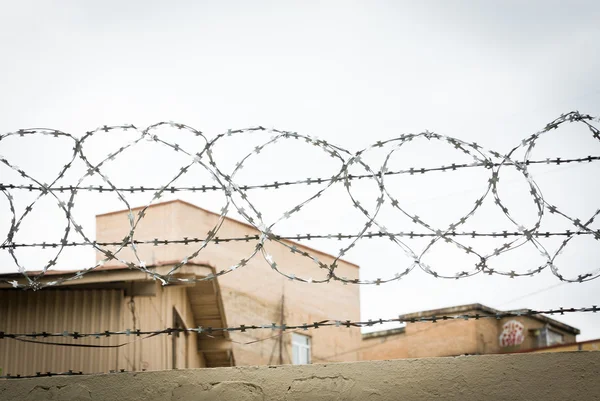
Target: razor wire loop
468 149
577 222
238 197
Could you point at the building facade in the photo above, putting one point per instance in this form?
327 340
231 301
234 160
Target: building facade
454 337
111 299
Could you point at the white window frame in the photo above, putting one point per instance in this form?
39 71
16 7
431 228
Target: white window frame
301 349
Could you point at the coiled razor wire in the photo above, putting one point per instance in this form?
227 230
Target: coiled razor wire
237 197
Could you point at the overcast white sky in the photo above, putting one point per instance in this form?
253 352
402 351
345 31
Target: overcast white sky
348 72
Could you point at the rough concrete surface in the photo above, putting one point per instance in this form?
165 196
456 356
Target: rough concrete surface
551 376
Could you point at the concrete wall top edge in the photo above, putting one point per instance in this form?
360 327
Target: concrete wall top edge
552 376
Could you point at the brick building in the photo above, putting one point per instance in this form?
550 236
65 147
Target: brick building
459 337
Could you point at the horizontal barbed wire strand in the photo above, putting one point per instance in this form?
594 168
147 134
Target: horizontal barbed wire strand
304 326
276 185
308 237
284 329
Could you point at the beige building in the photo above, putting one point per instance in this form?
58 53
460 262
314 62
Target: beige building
114 297
459 337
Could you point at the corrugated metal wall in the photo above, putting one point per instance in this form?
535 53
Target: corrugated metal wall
150 313
95 311
56 311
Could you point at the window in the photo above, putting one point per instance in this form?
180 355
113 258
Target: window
547 337
300 349
554 338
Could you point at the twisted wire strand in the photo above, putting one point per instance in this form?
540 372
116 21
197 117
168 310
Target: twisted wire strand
282 328
291 327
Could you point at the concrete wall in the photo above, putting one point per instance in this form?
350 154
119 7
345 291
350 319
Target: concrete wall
547 377
253 294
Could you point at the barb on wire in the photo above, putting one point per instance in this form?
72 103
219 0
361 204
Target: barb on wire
291 327
237 197
51 374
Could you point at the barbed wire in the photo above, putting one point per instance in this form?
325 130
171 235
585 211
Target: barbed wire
237 198
283 327
45 374
299 237
70 372
276 185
